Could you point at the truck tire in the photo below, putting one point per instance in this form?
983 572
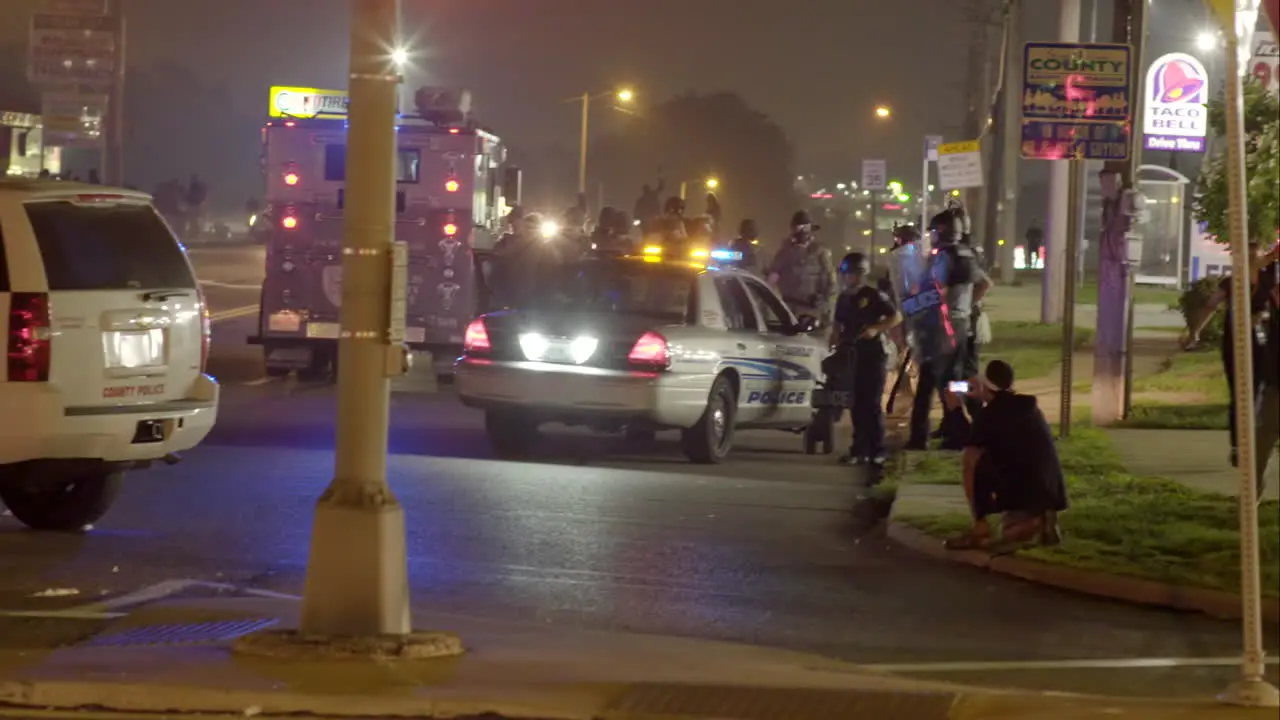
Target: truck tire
511 434
63 505
709 440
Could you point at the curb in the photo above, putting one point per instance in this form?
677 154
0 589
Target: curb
1215 603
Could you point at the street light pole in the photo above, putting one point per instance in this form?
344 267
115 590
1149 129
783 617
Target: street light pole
357 576
582 157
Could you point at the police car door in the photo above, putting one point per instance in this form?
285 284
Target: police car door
745 347
790 355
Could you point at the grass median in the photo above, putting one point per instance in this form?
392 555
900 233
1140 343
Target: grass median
1196 380
1034 350
1144 527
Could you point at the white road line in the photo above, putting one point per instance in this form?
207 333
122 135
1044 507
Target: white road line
233 313
62 614
231 286
1083 664
162 590
260 381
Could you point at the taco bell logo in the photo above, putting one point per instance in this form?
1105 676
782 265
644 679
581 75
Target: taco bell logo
1176 117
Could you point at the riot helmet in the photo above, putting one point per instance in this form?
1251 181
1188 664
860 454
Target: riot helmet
854 267
802 226
903 234
949 227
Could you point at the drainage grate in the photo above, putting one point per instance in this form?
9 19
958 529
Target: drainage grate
184 634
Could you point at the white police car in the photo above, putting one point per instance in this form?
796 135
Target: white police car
642 344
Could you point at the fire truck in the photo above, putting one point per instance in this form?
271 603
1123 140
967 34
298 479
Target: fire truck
451 195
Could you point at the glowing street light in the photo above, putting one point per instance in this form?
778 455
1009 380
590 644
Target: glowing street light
713 183
626 95
400 56
622 95
883 112
1207 40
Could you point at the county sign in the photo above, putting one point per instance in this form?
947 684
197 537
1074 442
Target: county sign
1176 116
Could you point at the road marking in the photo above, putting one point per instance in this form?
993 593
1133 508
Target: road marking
162 590
1084 664
233 313
63 614
260 381
231 286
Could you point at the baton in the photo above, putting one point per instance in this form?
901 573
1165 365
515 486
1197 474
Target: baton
897 384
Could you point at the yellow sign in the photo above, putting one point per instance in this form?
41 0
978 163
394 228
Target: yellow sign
296 102
956 148
1225 10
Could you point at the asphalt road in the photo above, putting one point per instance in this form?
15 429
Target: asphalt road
592 534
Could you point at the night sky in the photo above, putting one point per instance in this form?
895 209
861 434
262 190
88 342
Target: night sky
817 67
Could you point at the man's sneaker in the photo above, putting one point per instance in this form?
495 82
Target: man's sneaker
877 460
851 459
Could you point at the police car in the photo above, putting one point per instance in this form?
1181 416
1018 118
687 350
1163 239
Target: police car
642 343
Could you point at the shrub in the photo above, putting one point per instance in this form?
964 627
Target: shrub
1192 304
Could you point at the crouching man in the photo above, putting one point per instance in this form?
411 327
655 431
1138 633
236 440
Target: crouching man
1011 466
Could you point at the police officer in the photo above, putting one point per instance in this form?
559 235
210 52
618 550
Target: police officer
955 268
748 243
863 314
802 272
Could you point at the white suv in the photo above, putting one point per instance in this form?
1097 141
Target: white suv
107 335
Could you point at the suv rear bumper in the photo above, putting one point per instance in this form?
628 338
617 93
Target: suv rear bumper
50 430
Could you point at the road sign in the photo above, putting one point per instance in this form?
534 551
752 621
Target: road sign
874 174
960 165
931 143
73 119
1076 101
71 49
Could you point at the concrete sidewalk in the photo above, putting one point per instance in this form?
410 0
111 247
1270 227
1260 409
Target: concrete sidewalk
175 656
1195 458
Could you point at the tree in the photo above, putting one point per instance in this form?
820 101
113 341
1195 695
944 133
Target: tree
692 137
1262 167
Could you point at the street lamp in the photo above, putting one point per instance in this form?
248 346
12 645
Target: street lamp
1207 40
883 112
400 56
623 95
713 183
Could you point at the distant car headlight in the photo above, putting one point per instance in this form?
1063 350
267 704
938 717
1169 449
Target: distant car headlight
549 229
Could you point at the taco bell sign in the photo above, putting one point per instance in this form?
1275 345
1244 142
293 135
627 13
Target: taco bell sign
1176 117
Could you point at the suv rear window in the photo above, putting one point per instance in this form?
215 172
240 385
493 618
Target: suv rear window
624 287
107 247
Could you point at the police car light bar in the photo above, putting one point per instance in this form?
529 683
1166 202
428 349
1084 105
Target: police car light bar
726 255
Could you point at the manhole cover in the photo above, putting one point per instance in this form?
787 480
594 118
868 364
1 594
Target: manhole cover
181 634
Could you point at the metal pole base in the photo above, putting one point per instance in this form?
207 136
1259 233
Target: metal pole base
357 576
1254 692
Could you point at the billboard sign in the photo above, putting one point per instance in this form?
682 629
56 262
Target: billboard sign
1264 64
297 102
1176 116
73 119
70 49
1075 101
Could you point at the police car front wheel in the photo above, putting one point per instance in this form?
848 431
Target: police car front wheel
709 440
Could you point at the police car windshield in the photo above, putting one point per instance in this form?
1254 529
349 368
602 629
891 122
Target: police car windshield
623 287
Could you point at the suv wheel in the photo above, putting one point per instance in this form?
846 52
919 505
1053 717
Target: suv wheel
511 434
708 441
66 504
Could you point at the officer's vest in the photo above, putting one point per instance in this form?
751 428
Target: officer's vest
805 275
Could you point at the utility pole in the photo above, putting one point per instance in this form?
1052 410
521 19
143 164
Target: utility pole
1003 133
357 578
582 151
978 117
113 162
1060 215
1111 352
1011 142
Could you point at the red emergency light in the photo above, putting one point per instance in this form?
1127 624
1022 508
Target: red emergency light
452 186
289 222
454 131
291 178
450 229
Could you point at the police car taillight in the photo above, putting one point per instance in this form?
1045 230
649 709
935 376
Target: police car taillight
289 222
452 186
206 330
291 178
476 338
450 229
30 335
650 351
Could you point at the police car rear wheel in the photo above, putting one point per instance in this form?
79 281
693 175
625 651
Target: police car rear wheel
709 441
62 505
510 434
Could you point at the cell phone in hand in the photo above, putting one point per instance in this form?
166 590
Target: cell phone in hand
958 386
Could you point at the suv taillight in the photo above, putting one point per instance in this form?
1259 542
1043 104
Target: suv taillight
206 331
650 352
476 339
29 336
